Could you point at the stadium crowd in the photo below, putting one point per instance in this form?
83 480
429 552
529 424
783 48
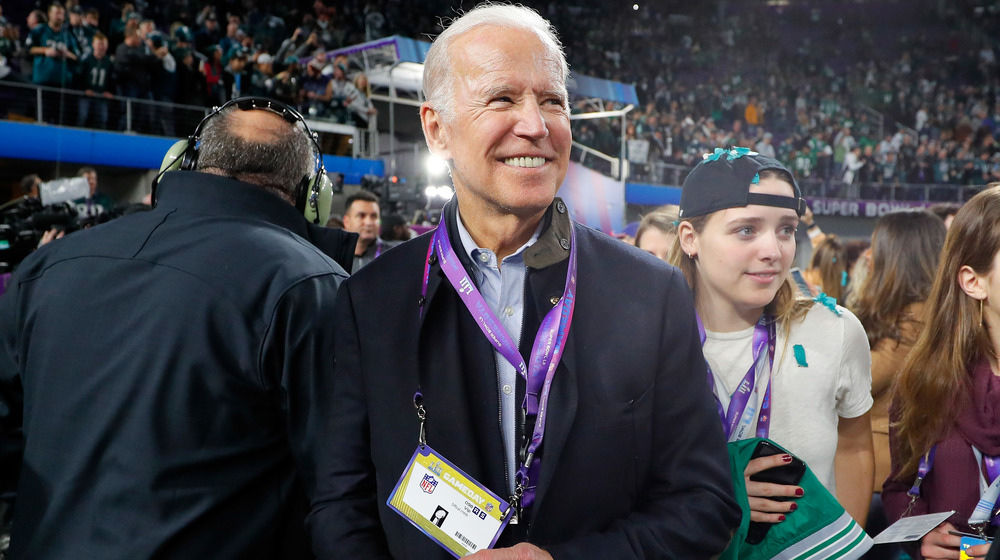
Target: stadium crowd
815 84
923 111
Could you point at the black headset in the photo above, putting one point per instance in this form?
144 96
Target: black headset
314 193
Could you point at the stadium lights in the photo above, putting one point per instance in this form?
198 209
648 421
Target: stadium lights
443 192
436 166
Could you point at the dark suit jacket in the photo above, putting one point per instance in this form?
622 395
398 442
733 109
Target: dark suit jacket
634 462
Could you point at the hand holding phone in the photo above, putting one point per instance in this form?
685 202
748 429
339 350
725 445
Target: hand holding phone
772 478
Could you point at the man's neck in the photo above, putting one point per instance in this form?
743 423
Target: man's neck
362 246
501 233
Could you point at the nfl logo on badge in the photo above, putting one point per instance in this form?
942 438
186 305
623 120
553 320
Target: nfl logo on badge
428 484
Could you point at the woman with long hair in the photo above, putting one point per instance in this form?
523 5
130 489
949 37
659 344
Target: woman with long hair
807 364
828 268
905 249
946 406
906 246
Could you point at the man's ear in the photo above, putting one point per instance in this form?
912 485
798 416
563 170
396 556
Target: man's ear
972 283
434 131
688 239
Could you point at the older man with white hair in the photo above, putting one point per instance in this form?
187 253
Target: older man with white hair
514 384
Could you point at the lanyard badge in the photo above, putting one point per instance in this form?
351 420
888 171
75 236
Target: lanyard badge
744 402
447 505
538 372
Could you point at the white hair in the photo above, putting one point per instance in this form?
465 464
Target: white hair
439 81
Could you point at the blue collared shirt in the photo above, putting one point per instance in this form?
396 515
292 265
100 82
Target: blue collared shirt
504 293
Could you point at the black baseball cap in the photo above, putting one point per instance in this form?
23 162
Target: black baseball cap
722 180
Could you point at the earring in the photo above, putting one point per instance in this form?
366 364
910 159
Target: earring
981 312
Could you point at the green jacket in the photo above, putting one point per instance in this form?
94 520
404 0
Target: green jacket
818 528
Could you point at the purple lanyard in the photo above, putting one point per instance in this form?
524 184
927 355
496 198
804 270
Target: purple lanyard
992 472
992 467
736 421
378 248
545 352
926 462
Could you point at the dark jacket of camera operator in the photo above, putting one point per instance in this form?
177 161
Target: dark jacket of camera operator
169 368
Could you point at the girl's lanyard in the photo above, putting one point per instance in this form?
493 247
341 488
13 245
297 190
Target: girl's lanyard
743 403
550 341
989 493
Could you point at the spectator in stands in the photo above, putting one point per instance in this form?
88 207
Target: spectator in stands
234 35
735 250
207 445
343 96
191 84
55 50
212 69
79 31
98 77
753 114
317 87
116 31
238 73
765 147
362 107
135 64
288 84
207 38
853 162
943 417
92 21
11 51
262 81
362 216
163 82
905 249
657 232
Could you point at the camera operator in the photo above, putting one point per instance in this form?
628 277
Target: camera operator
174 364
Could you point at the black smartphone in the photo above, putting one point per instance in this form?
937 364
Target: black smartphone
789 474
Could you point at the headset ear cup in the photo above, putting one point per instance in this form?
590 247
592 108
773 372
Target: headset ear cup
318 199
172 161
190 159
174 158
324 199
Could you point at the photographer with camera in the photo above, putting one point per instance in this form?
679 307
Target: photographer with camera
177 363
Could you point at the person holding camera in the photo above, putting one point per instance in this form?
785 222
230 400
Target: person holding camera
163 375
